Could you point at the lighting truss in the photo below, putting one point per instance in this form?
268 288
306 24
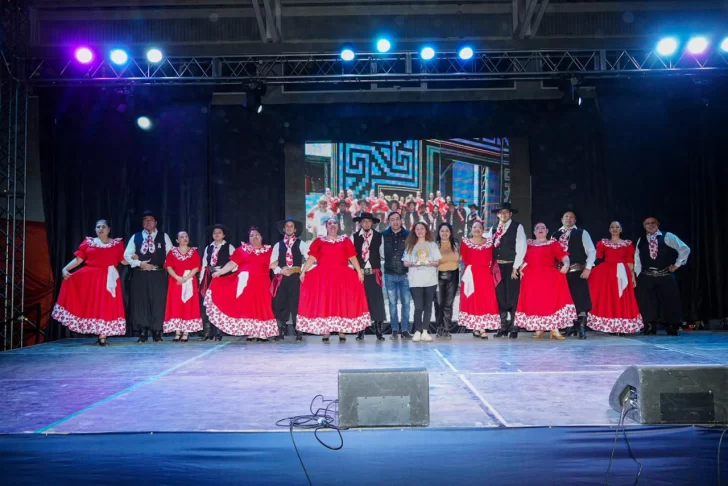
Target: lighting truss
374 67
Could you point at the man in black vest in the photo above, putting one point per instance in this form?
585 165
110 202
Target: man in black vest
286 260
473 216
215 256
582 255
509 250
411 216
146 253
656 258
458 219
370 253
346 222
395 275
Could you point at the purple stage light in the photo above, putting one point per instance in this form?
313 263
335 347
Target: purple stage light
84 55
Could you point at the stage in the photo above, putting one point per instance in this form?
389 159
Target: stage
501 409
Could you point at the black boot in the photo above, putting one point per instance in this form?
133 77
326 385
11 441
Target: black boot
299 336
206 331
281 331
573 329
143 336
513 330
581 326
378 331
360 336
157 335
503 331
650 328
673 330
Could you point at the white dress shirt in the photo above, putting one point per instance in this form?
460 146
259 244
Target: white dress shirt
131 248
521 242
591 251
303 248
683 251
231 249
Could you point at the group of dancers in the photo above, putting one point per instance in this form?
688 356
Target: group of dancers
335 284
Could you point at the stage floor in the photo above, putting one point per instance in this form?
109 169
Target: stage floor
73 386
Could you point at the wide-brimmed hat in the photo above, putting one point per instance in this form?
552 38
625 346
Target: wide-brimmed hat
342 202
281 225
365 215
473 206
151 213
213 227
411 202
505 205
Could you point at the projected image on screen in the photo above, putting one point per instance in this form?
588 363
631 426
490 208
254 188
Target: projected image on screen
418 178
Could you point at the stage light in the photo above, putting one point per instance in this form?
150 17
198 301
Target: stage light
84 55
427 53
465 53
154 55
697 45
119 56
724 45
667 46
347 54
383 45
254 97
144 123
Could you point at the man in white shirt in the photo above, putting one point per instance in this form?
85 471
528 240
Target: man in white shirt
317 217
370 253
509 250
657 257
582 255
146 254
286 260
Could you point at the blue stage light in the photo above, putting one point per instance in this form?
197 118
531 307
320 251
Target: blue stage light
383 45
724 45
347 54
667 46
427 53
144 123
698 45
154 55
465 53
119 56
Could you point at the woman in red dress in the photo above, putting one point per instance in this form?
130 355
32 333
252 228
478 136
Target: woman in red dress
332 296
182 315
90 301
242 306
544 303
478 304
611 285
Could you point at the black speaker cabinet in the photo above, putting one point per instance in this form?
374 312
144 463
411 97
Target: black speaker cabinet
384 398
690 394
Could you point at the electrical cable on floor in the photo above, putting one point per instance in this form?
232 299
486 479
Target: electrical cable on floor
622 417
317 420
720 442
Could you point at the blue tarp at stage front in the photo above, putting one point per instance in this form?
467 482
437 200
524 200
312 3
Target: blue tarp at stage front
498 456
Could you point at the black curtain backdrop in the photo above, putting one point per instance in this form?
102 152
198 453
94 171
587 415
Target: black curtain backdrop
637 149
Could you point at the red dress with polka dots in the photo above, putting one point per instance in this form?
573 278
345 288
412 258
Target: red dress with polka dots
183 304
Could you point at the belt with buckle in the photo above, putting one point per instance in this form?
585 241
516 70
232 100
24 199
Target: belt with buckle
577 267
368 271
656 272
504 262
295 269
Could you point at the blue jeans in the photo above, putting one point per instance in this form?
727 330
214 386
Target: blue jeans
398 286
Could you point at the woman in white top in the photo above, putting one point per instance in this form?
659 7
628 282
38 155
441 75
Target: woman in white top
422 257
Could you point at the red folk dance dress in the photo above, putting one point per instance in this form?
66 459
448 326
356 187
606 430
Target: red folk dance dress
183 304
242 306
90 301
614 307
332 297
544 302
478 303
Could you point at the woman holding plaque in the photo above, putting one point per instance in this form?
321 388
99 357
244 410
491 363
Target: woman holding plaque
422 257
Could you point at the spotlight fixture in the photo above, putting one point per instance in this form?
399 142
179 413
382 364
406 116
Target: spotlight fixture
383 45
465 53
427 53
119 56
698 45
347 54
724 45
144 123
154 55
667 46
84 55
254 94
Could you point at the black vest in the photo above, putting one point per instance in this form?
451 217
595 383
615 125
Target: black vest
160 249
295 250
577 253
507 249
223 256
666 256
374 246
394 245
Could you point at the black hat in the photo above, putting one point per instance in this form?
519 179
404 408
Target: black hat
225 230
505 205
363 202
281 225
473 206
451 203
342 201
411 202
151 213
392 203
366 215
462 201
